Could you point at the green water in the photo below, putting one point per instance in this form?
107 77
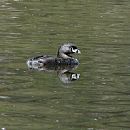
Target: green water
37 100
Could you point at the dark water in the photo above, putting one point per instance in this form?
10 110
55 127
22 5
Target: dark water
37 100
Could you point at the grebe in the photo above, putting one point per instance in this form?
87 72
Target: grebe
64 58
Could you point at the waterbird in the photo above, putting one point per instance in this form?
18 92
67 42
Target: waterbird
64 58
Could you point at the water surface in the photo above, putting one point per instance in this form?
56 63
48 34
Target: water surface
37 100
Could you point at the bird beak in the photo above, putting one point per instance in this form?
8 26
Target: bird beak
78 51
75 76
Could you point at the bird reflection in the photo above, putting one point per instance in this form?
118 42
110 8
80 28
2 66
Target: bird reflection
63 64
64 72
